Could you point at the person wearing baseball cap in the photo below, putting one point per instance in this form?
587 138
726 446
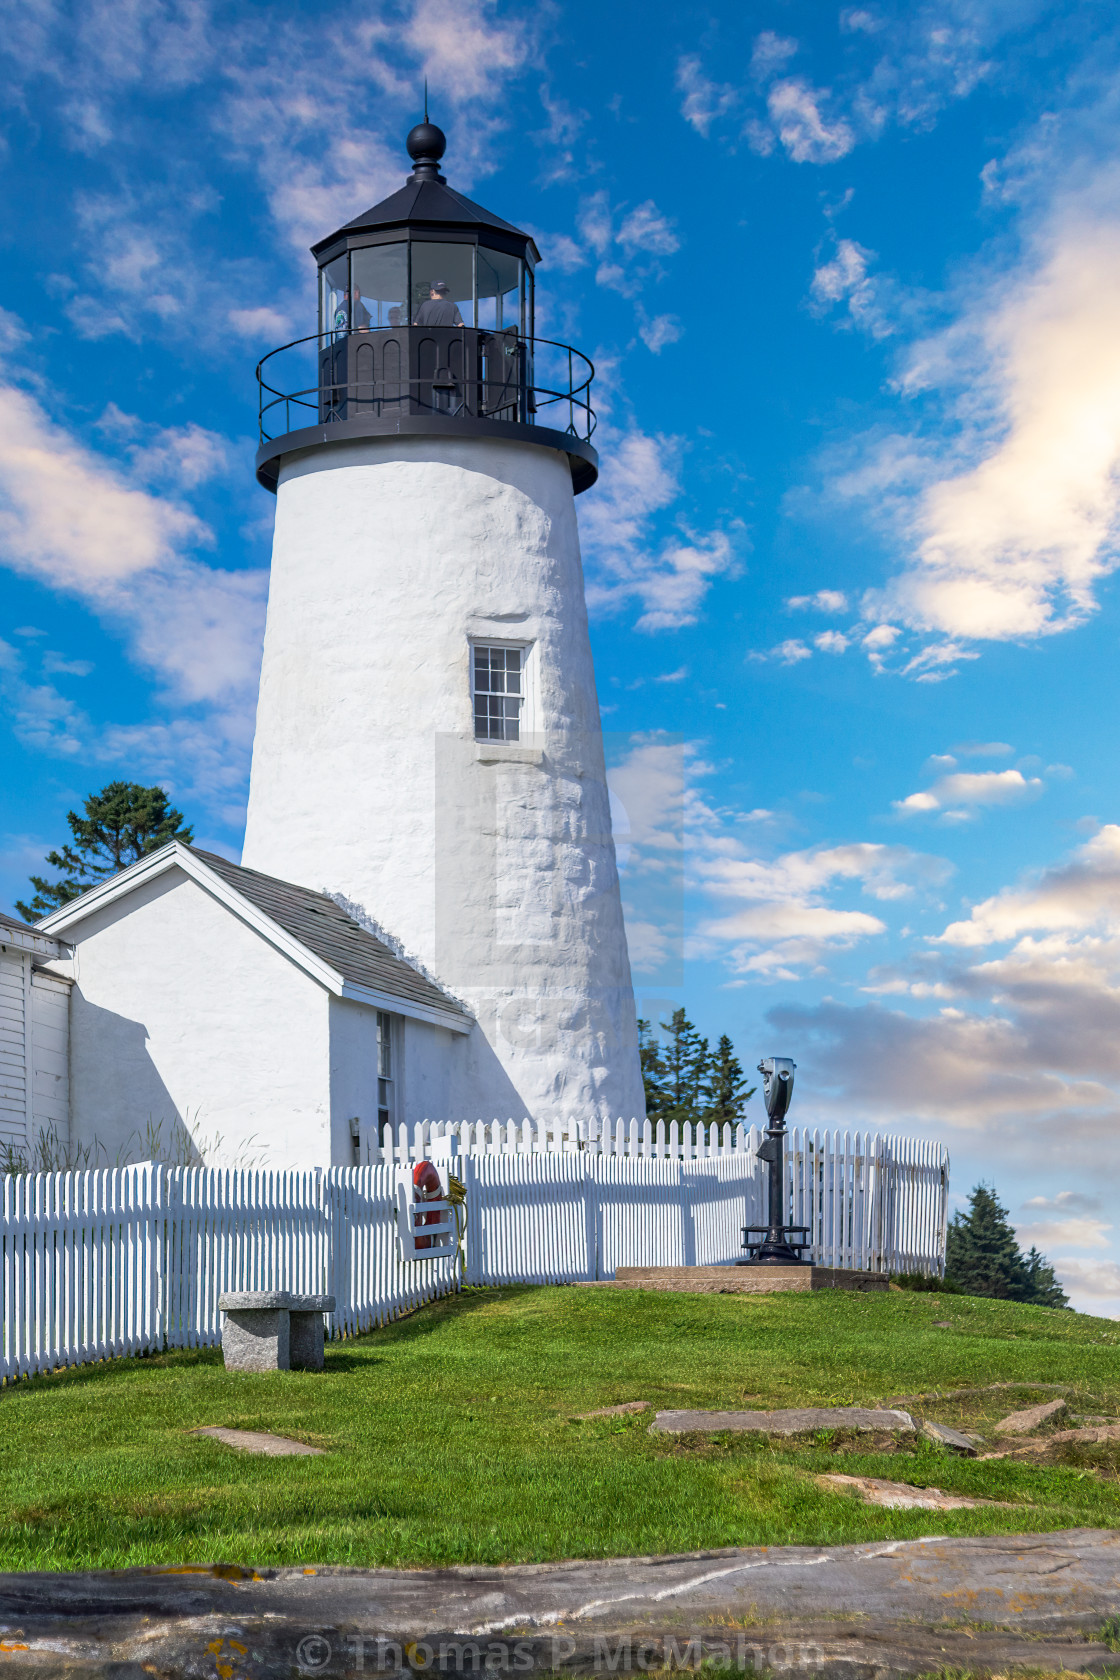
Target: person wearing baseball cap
438 310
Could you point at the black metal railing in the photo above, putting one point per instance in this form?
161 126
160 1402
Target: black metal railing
384 373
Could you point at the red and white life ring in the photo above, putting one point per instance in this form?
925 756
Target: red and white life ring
426 1187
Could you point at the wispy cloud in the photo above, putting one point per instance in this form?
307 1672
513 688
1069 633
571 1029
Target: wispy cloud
91 526
766 916
668 575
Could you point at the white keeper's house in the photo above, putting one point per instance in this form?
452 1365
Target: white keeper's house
427 920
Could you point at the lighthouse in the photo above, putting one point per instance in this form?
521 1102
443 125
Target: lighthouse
428 748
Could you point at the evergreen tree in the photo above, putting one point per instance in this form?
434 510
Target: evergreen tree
983 1258
653 1070
725 1085
121 824
1044 1288
685 1057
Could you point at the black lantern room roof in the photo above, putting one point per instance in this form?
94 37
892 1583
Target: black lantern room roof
426 204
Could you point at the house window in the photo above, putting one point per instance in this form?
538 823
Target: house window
385 1115
498 687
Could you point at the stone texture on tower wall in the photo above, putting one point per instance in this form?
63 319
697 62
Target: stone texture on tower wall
494 867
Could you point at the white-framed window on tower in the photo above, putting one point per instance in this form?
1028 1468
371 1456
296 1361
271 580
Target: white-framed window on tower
386 1082
500 690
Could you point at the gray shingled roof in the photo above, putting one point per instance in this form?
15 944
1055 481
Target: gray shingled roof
324 928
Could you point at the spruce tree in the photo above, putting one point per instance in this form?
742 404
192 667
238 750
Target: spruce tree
1044 1290
982 1256
122 823
981 1253
653 1070
725 1086
685 1057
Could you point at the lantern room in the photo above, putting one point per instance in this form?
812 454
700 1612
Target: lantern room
426 325
380 269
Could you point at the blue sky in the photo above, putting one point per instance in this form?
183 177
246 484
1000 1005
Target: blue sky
849 279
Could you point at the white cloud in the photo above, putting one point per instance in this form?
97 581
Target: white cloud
262 322
1014 539
668 577
770 54
1074 1232
971 788
594 221
464 50
646 229
845 280
658 332
1095 1278
825 601
182 456
983 749
84 524
791 652
72 519
767 916
807 135
1080 895
831 641
779 922
704 100
1066 1201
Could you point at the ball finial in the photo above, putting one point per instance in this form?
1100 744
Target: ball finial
426 144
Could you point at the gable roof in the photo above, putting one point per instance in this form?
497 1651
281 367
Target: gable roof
307 926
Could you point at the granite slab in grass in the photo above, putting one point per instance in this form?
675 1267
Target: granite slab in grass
902 1496
259 1441
941 1435
1025 1423
797 1420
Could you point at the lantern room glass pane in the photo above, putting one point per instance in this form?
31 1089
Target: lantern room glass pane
448 265
334 308
379 284
499 290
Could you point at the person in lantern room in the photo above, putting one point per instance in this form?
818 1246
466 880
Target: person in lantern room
351 312
438 310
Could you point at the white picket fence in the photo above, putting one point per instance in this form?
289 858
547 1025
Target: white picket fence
131 1259
652 1140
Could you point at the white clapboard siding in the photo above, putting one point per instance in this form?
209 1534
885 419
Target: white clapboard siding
98 1264
15 1060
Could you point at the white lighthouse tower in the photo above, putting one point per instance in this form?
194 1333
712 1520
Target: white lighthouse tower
428 746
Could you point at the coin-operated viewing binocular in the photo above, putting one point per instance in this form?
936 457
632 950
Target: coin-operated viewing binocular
777 1086
775 1244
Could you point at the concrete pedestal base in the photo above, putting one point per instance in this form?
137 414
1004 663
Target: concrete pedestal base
273 1330
746 1280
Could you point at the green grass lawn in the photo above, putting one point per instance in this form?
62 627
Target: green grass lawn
451 1438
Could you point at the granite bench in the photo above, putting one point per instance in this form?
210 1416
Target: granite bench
273 1330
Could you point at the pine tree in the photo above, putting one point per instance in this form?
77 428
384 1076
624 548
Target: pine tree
653 1070
981 1253
122 823
725 1085
1044 1288
983 1258
685 1057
